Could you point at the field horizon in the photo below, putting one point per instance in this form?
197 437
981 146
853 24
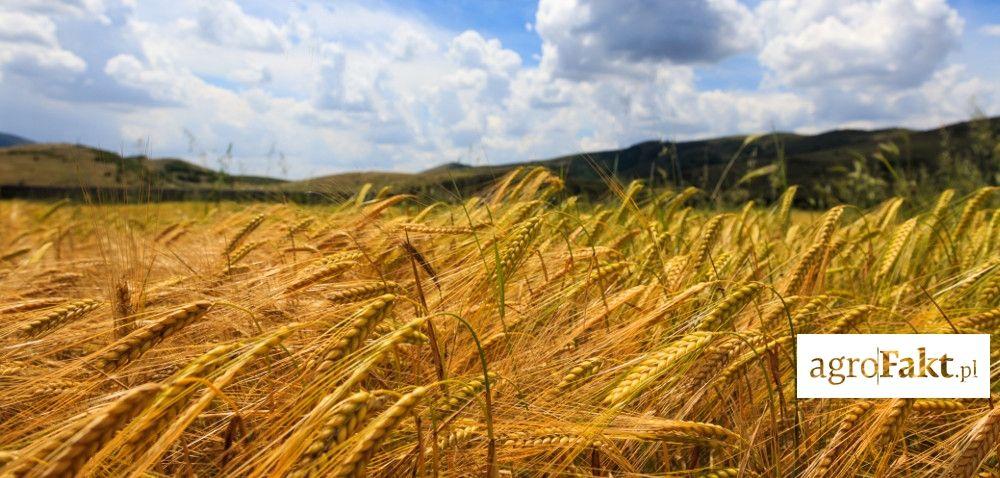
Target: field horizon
746 163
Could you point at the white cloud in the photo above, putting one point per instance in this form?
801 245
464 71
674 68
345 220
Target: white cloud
335 89
991 30
225 23
952 92
64 7
871 62
252 76
28 43
164 85
26 28
872 43
347 85
470 50
408 43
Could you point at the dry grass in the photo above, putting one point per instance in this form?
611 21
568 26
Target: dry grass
520 333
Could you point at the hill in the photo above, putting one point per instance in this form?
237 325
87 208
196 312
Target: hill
12 140
856 166
69 165
828 166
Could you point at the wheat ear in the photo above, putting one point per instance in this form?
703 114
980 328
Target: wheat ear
341 422
728 307
579 373
518 242
439 230
132 346
323 273
243 251
850 318
360 326
32 305
354 464
174 396
242 234
81 446
721 473
969 211
936 405
986 321
58 318
835 445
980 441
458 398
654 365
896 244
363 292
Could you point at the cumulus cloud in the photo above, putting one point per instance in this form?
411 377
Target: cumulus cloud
28 45
408 43
29 29
483 79
130 71
469 49
893 43
871 62
225 23
335 89
951 94
348 85
582 38
79 8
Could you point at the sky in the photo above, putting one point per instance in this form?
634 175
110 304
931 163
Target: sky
302 88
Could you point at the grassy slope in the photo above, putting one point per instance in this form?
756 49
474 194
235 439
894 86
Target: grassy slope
73 165
811 159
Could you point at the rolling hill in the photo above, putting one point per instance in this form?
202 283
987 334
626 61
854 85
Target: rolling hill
814 162
70 165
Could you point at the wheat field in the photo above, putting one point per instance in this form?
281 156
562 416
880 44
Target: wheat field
521 332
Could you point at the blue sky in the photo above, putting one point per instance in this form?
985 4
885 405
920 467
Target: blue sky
310 87
504 19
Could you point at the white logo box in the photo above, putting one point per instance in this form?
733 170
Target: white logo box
893 365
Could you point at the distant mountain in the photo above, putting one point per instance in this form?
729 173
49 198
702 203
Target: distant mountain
12 140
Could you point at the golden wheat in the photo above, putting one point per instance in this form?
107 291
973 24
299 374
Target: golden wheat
640 335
